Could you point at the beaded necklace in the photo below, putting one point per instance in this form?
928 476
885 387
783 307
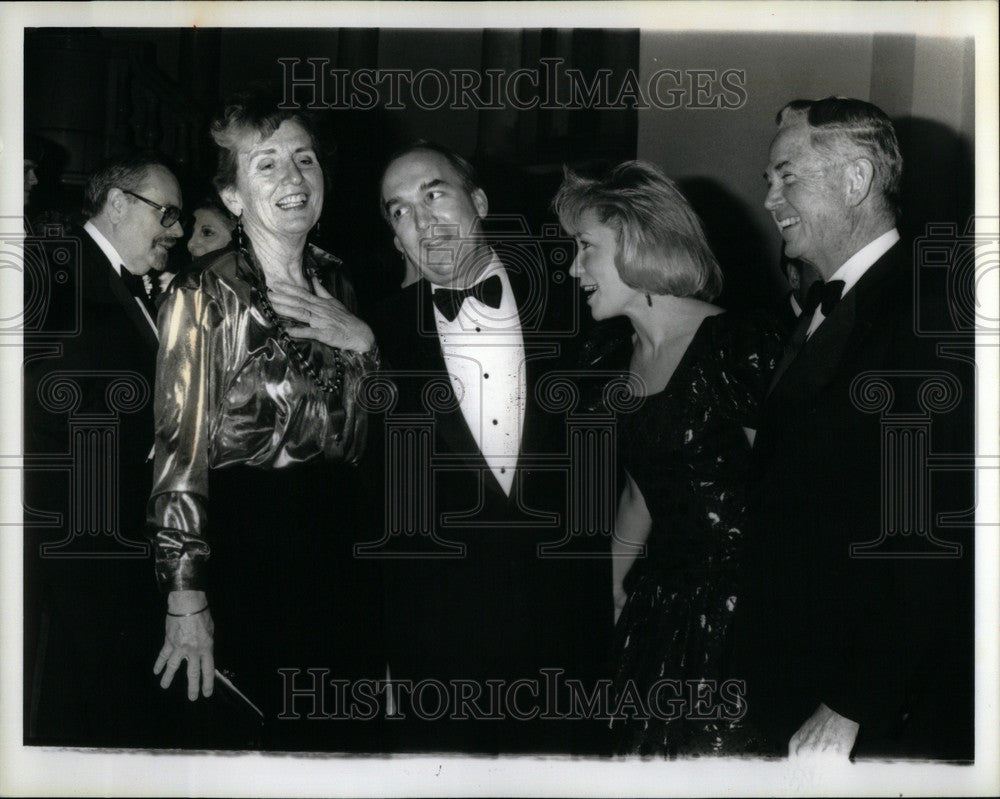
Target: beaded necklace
292 346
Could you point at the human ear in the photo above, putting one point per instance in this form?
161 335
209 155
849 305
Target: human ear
115 205
480 203
860 173
232 201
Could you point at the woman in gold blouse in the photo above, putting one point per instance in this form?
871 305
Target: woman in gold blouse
257 378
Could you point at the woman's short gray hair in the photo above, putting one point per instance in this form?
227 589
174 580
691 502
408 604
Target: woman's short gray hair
253 114
661 245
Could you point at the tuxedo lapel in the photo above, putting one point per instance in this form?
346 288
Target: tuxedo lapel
426 356
131 308
840 335
108 288
538 355
818 360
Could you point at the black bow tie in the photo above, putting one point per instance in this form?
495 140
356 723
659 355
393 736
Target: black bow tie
137 288
134 284
823 295
449 301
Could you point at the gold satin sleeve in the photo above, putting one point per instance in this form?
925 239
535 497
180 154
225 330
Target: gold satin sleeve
178 514
227 393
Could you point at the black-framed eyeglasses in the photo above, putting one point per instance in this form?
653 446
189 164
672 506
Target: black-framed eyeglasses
171 213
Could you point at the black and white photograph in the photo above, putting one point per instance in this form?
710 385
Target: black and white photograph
500 399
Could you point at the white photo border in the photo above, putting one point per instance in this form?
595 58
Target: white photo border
40 771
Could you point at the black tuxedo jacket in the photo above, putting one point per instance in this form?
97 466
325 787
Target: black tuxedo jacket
92 613
487 601
878 634
785 314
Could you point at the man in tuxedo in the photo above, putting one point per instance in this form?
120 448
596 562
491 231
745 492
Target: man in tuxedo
854 631
89 376
801 276
490 612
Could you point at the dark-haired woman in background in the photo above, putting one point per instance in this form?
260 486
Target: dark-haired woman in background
256 405
212 228
698 374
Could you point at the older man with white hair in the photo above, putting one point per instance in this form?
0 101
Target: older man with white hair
855 625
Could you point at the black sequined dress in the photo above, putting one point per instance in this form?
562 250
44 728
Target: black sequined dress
686 449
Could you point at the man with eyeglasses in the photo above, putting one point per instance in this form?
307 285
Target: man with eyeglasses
134 210
89 386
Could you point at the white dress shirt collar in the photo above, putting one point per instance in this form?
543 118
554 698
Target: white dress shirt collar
106 246
116 263
859 263
854 267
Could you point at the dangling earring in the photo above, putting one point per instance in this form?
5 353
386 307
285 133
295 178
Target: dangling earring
239 233
649 300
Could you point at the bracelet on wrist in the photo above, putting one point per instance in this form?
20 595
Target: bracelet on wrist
184 615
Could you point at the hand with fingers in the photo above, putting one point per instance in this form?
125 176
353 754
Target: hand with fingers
189 637
825 732
322 317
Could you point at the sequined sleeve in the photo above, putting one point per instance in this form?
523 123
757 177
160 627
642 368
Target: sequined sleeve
177 511
748 351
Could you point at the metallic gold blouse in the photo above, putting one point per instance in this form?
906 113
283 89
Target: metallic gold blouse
227 393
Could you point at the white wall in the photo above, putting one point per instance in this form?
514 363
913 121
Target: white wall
929 79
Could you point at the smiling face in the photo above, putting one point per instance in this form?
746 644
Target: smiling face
212 231
140 239
806 198
594 266
435 220
279 185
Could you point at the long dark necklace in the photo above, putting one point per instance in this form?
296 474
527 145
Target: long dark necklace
291 346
